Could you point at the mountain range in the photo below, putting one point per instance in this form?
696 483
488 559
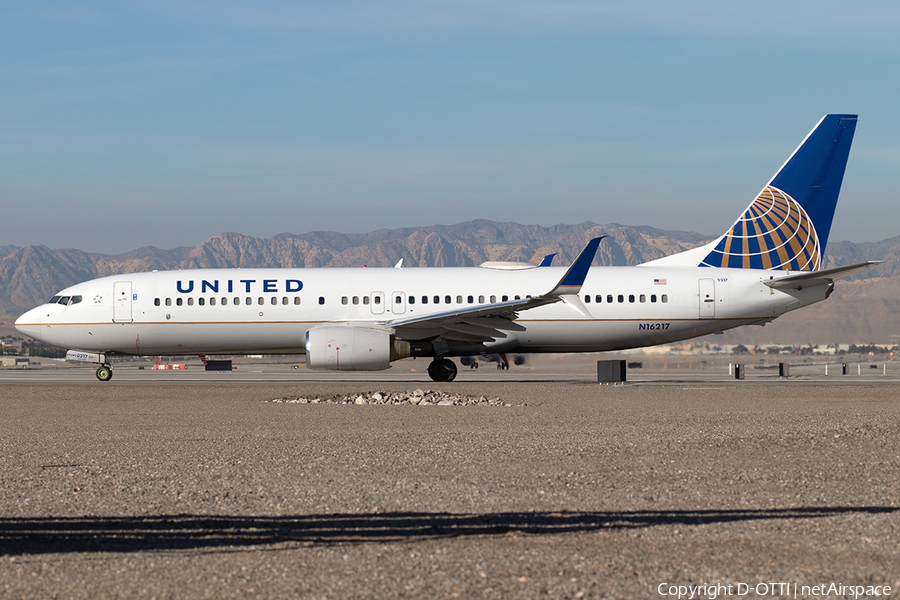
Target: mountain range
863 309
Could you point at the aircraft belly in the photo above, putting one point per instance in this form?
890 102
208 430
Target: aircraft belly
606 335
186 338
202 338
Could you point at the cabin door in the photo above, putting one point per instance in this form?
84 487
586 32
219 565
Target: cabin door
707 298
122 302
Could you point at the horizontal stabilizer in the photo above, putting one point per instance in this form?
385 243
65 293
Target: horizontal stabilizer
805 280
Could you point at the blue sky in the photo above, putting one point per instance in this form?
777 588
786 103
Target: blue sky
125 125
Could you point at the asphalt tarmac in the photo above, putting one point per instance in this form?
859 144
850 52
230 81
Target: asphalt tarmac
179 485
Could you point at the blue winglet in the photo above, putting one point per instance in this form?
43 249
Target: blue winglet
547 260
572 281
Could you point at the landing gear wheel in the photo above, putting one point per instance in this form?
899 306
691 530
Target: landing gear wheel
104 372
442 370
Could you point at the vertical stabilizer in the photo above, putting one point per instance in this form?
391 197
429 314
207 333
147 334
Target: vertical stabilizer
787 225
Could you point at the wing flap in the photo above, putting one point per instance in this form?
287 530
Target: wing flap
458 336
494 323
473 329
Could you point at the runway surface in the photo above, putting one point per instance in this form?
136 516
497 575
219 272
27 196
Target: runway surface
186 484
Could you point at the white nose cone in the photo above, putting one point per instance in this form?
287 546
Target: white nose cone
30 323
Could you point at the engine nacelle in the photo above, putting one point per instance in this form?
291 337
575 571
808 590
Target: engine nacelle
349 348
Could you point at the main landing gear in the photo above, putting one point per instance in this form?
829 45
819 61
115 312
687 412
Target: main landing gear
442 370
104 372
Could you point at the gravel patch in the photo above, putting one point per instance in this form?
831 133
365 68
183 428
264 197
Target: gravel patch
416 397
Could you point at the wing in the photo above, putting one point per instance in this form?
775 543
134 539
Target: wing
486 322
548 260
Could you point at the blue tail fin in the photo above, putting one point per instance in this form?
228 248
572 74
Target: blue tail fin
787 226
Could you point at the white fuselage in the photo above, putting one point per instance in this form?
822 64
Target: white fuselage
270 310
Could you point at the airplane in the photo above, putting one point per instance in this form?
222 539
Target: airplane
361 319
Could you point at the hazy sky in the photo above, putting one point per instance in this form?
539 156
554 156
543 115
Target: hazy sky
162 123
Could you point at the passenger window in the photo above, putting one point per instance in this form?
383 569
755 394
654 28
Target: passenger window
398 299
631 297
587 298
179 301
504 298
296 300
609 298
201 301
643 298
459 299
365 299
355 299
652 297
261 301
470 299
412 299
345 300
664 298
224 301
248 301
480 299
517 297
190 301
274 301
447 300
156 302
598 299
237 301
377 299
284 300
621 298
424 299
212 301
321 299
168 302
493 299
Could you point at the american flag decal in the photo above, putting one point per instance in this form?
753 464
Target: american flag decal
659 282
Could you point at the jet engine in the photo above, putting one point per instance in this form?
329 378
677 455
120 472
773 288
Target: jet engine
349 348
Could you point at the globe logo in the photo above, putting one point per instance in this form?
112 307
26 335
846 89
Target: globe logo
774 233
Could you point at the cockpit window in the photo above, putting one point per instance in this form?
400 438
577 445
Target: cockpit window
65 300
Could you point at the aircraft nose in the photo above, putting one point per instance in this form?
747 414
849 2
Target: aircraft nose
30 324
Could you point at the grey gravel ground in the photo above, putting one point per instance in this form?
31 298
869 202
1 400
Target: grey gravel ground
152 491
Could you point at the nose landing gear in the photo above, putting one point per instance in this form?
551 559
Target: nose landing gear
104 372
